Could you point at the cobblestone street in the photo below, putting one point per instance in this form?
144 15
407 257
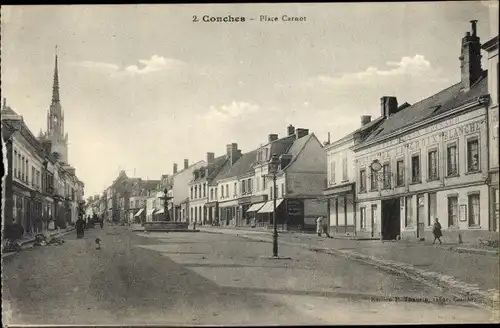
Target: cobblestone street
202 278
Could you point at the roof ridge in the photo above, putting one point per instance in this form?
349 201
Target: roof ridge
301 149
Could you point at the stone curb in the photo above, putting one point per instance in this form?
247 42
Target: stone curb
469 293
28 243
476 251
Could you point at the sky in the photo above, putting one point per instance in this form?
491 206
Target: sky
143 86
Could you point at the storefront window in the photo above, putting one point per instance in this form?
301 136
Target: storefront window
409 212
474 210
453 211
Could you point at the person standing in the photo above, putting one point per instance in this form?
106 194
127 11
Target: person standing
80 227
325 228
436 231
319 226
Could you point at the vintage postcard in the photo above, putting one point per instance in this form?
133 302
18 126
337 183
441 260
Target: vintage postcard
237 164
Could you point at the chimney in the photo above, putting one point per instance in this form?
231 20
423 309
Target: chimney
388 106
186 164
210 157
4 103
470 59
365 119
272 137
290 130
301 133
232 153
175 168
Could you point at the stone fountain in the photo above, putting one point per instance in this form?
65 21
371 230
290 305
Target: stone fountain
166 224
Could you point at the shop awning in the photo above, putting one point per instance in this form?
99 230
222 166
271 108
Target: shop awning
269 206
160 211
150 212
139 212
255 207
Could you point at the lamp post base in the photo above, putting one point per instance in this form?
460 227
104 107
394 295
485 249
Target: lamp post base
276 257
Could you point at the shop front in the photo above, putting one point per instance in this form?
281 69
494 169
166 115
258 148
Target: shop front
244 219
229 211
341 209
211 211
256 203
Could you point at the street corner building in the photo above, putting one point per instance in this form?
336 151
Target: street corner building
41 190
241 194
437 158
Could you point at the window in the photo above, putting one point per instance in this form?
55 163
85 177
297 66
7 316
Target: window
33 176
271 193
472 155
14 173
474 210
373 180
204 190
27 170
344 169
415 169
451 160
191 192
257 184
332 172
227 190
362 180
432 208
282 190
264 183
243 187
409 212
249 186
453 211
362 218
211 193
216 192
235 191
22 167
400 171
433 165
386 171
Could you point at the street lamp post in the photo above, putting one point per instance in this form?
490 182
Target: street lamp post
274 170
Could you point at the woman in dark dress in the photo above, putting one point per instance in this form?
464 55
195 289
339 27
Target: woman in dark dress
79 227
436 230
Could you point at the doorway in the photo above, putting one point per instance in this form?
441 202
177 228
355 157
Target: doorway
420 218
391 219
374 221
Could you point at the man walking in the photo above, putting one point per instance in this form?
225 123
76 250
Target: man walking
322 227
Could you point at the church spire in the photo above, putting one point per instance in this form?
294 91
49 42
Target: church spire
55 86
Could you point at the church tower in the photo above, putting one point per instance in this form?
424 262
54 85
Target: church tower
55 121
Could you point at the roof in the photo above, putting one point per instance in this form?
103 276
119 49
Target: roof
242 166
214 168
6 111
7 131
280 146
492 43
439 103
297 146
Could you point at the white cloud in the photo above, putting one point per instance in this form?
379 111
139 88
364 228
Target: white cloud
154 64
416 66
233 110
108 67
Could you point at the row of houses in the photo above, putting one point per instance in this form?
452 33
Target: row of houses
437 158
40 190
388 179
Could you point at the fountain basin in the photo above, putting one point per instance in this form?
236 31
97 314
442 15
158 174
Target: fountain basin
168 226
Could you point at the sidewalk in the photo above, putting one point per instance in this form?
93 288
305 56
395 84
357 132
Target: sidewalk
27 243
468 275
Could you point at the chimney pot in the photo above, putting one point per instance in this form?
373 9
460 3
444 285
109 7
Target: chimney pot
186 163
365 119
210 157
470 58
290 130
301 133
272 137
388 106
